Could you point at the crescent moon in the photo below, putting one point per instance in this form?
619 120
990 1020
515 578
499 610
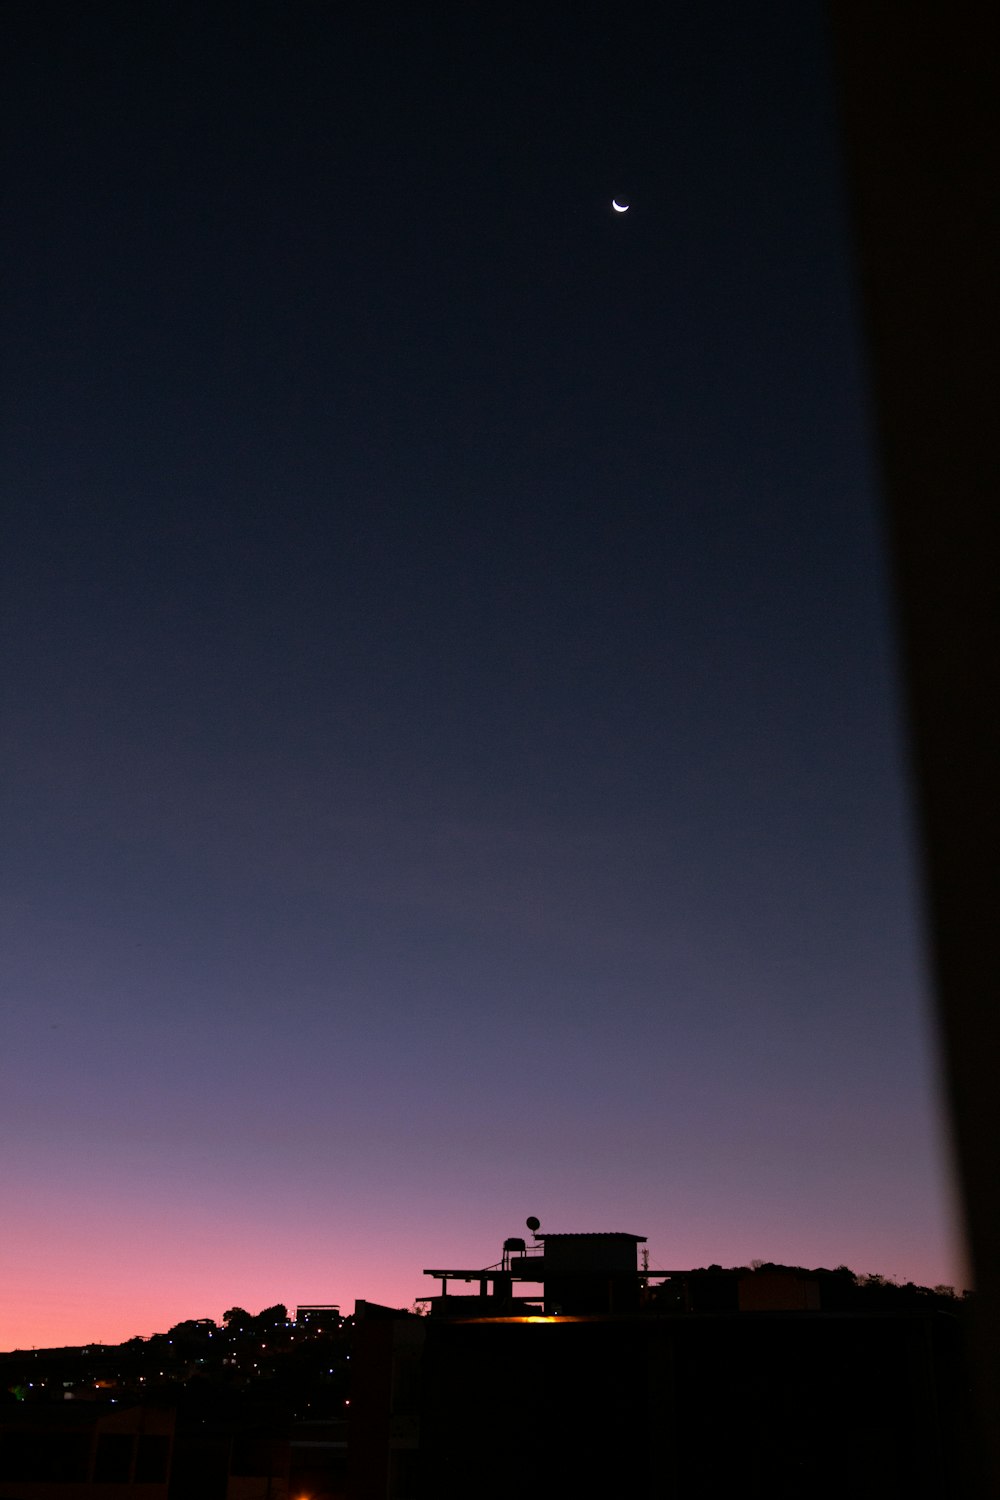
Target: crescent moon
619 208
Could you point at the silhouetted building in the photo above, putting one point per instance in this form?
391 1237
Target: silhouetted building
705 1384
60 1451
577 1273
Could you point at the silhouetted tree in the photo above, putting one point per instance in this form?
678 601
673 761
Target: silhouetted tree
236 1318
272 1317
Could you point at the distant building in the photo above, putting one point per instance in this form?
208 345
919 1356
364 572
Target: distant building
320 1317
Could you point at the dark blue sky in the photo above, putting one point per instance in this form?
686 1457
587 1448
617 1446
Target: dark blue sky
453 762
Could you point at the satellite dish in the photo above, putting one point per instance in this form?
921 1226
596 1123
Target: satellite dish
533 1224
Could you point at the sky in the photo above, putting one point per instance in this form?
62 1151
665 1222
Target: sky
452 758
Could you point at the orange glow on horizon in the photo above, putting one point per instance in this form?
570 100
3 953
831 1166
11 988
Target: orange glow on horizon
521 1318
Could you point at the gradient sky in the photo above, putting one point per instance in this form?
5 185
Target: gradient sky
452 759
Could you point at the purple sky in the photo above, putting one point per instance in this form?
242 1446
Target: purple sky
452 759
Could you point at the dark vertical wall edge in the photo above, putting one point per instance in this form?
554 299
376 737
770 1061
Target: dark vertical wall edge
919 88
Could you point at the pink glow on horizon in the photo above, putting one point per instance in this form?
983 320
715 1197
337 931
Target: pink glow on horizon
118 1233
121 1281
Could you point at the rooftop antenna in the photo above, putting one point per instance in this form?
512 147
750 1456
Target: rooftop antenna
534 1225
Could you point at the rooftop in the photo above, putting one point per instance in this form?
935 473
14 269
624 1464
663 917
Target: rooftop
593 1234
